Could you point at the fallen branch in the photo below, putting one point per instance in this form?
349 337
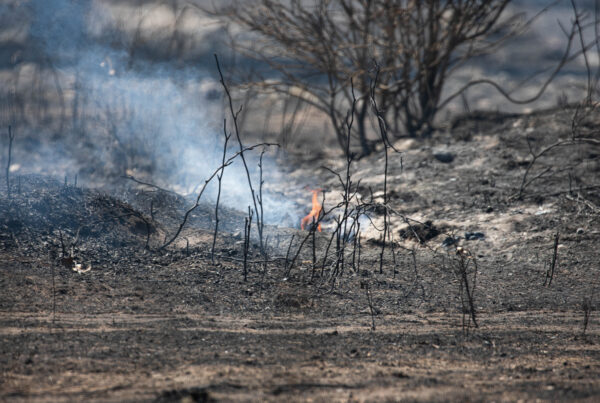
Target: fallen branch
132 178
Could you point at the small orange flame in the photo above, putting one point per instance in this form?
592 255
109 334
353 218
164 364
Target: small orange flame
313 216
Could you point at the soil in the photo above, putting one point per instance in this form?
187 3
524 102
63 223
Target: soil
93 309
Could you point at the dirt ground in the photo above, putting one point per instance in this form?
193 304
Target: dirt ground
136 322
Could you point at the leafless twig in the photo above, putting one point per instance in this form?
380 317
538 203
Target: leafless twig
219 179
368 292
255 198
132 178
11 137
550 272
587 309
247 230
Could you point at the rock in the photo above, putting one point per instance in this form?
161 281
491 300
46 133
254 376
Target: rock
474 236
445 157
422 232
449 241
580 231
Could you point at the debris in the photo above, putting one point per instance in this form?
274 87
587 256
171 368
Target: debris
194 394
67 262
450 241
444 156
78 268
422 232
474 236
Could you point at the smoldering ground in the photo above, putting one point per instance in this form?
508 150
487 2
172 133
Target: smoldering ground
102 90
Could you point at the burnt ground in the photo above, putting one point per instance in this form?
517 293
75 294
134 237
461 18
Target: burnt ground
92 309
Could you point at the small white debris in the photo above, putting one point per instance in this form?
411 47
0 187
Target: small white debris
78 268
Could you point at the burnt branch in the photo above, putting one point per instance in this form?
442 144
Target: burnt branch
134 179
465 262
535 156
247 230
386 147
255 198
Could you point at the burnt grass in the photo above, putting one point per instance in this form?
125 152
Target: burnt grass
153 324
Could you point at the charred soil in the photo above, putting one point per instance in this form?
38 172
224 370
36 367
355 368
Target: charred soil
94 309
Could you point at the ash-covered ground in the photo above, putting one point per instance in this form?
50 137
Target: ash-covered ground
94 309
485 288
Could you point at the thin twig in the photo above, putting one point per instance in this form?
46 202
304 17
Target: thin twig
220 180
386 146
11 137
247 230
550 272
53 293
132 178
368 291
287 254
259 217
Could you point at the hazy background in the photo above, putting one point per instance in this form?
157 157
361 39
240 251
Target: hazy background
104 88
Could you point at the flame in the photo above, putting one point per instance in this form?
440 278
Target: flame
314 213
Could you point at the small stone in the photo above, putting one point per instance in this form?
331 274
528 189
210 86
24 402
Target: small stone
489 209
580 231
449 241
444 157
474 236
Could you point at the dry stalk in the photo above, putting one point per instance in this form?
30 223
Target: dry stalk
314 249
383 131
265 262
587 309
53 264
464 261
11 137
255 198
219 179
309 235
259 198
247 230
355 241
550 271
324 213
369 300
287 254
359 254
